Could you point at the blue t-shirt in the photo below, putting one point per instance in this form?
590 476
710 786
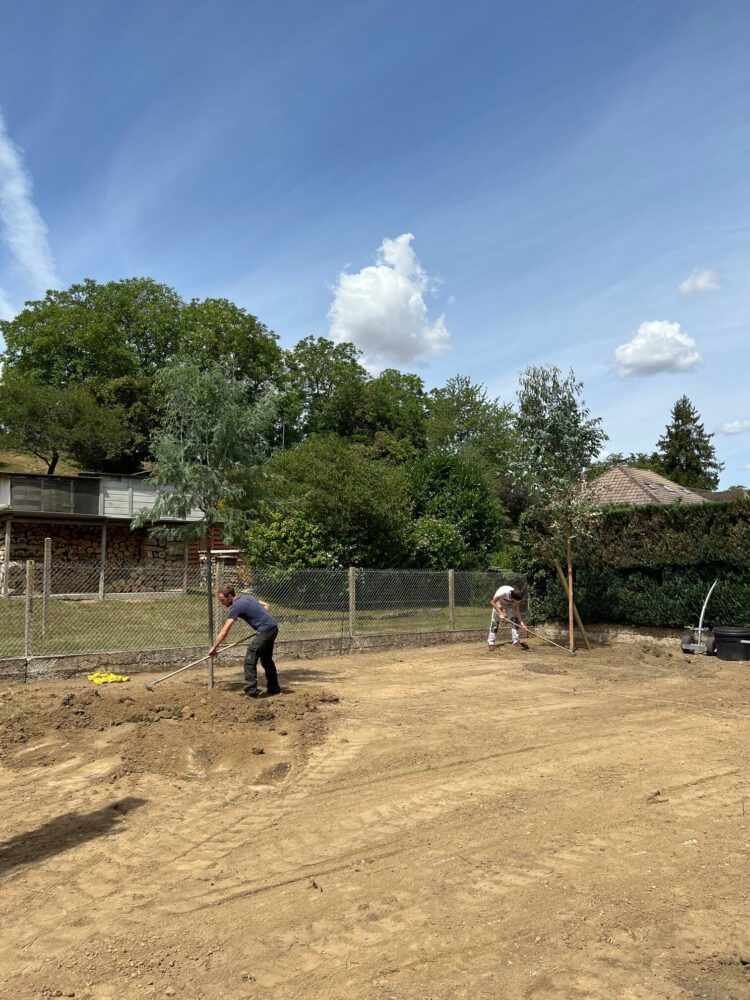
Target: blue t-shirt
250 610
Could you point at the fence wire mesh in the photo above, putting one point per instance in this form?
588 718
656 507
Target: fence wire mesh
87 608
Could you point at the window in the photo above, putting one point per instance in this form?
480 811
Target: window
55 496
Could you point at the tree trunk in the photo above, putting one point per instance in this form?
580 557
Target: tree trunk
571 636
210 593
52 464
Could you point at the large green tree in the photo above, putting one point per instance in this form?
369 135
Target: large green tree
361 509
90 333
395 404
685 450
447 489
52 423
111 339
216 331
464 420
323 390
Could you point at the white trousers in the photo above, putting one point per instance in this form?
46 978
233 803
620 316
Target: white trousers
495 624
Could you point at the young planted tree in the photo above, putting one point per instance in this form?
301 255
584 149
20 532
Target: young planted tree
685 450
557 441
210 443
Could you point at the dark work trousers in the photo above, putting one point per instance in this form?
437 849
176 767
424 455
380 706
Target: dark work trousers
260 648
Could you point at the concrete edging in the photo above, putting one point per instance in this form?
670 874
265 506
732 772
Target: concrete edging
63 665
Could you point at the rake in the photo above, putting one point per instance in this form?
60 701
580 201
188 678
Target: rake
504 621
223 649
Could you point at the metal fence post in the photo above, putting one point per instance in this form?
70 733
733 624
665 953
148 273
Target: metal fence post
452 600
46 583
186 554
352 601
27 624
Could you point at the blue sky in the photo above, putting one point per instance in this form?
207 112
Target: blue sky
573 175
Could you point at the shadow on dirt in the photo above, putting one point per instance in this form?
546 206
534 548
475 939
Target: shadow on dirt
62 833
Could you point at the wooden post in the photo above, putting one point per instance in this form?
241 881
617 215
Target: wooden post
46 583
571 635
452 600
352 601
186 550
27 628
579 623
102 560
6 559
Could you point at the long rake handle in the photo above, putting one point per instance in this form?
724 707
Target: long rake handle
187 666
504 621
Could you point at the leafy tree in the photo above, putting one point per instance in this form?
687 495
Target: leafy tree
324 389
438 544
685 450
107 339
447 489
558 439
463 420
361 508
289 539
111 339
634 460
52 422
216 331
211 440
395 404
90 333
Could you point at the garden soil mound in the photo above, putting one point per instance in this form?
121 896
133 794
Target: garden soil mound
180 730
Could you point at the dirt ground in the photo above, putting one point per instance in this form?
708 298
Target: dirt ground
411 825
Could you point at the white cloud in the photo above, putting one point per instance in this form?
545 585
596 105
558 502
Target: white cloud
735 427
703 279
657 346
382 308
23 229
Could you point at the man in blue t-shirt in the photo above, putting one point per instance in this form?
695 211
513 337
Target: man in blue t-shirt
260 647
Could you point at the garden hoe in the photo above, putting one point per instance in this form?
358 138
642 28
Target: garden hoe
223 649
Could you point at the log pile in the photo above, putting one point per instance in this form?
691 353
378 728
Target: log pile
135 562
82 543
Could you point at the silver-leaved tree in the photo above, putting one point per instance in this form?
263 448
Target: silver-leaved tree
210 446
557 439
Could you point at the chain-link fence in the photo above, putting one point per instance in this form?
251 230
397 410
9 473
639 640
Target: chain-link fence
58 608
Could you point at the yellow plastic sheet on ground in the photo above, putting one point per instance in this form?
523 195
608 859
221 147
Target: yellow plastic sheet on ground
104 678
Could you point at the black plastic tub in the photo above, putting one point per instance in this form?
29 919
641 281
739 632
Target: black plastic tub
732 642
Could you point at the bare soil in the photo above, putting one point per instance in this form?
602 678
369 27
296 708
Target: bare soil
411 825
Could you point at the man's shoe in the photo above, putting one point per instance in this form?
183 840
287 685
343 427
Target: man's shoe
490 647
251 694
521 645
271 692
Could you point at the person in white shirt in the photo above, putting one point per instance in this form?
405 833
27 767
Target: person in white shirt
506 606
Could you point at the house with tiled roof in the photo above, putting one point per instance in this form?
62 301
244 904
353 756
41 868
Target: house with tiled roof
724 496
622 486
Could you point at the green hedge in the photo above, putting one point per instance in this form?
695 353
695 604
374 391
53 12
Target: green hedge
651 566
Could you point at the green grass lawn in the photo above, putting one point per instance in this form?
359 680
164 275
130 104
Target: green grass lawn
157 623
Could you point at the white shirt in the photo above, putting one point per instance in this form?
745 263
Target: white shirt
502 596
